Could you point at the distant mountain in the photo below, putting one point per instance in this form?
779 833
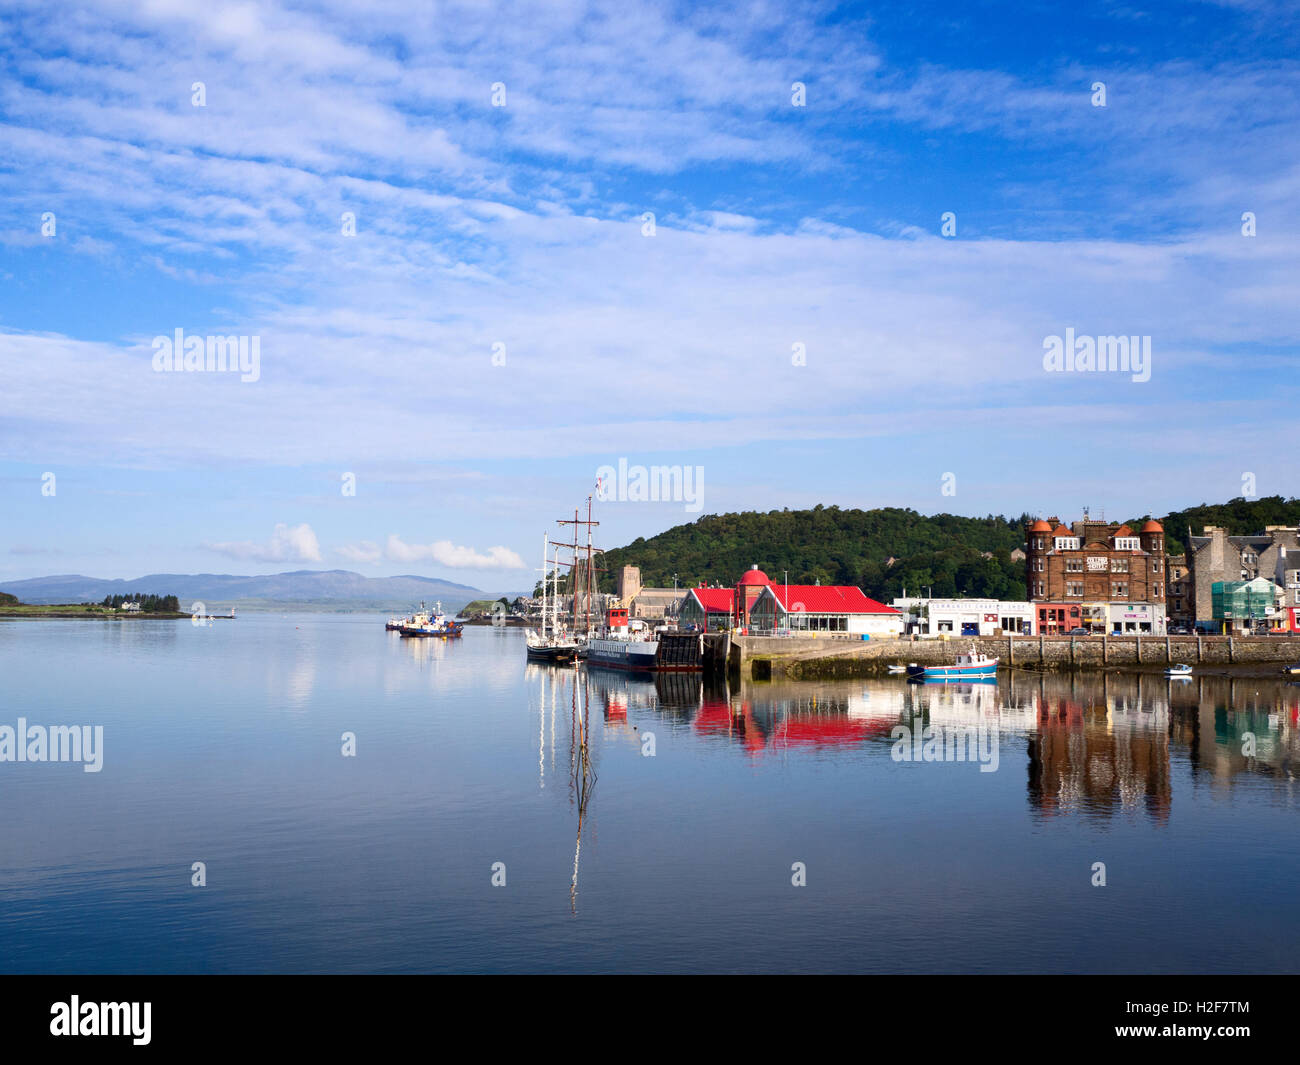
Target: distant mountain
322 589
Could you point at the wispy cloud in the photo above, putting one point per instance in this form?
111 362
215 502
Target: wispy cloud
445 553
287 544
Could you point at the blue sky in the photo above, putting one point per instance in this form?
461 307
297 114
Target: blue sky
521 225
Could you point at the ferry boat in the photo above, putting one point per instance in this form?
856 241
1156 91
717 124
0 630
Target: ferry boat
973 666
623 647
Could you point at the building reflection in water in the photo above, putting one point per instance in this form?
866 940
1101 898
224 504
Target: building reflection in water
1101 744
1095 744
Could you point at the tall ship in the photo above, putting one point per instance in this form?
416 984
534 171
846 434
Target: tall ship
550 642
605 639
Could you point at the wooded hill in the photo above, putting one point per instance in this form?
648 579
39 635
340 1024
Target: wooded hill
942 555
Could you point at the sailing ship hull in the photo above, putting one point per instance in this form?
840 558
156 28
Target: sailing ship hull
556 655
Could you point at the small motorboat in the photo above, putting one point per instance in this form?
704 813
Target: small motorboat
899 668
973 666
1180 669
1292 671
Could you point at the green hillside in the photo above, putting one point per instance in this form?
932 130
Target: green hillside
943 553
1240 517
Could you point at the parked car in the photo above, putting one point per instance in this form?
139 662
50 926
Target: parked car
1079 632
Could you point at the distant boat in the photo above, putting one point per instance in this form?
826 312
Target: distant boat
1180 669
1292 671
898 667
973 666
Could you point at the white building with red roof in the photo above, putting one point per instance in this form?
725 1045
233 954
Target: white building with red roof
763 608
817 608
707 609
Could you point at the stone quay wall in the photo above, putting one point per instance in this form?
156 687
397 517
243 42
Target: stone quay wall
762 657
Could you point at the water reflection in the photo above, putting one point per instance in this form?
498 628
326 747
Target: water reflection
1093 744
570 689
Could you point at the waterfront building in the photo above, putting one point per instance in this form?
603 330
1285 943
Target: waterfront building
707 609
806 609
650 604
1178 592
1287 578
1217 557
1245 607
763 608
1100 576
967 617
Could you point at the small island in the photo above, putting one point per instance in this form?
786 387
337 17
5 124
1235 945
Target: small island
113 607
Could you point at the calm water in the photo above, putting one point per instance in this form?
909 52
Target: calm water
222 745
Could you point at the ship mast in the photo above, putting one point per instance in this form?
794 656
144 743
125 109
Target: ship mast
584 569
546 540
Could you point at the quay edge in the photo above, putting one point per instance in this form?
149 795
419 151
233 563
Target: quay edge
767 657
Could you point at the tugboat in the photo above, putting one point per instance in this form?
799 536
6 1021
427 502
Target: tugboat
973 666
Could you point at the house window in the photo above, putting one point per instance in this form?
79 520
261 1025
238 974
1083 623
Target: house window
1119 565
1074 565
1074 588
1038 565
1119 589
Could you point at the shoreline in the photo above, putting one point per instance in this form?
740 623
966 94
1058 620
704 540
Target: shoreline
86 615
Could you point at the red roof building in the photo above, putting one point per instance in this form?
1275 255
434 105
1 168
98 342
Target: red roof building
707 609
816 608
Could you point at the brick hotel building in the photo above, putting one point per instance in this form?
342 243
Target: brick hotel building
1096 576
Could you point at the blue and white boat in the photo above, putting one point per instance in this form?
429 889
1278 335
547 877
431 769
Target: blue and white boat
974 666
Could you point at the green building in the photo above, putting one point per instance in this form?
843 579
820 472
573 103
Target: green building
1243 606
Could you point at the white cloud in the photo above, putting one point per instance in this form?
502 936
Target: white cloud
448 554
288 544
365 551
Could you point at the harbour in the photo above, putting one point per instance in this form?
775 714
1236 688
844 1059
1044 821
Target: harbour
467 755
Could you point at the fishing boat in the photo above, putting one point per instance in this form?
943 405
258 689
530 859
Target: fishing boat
973 666
430 623
1179 669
